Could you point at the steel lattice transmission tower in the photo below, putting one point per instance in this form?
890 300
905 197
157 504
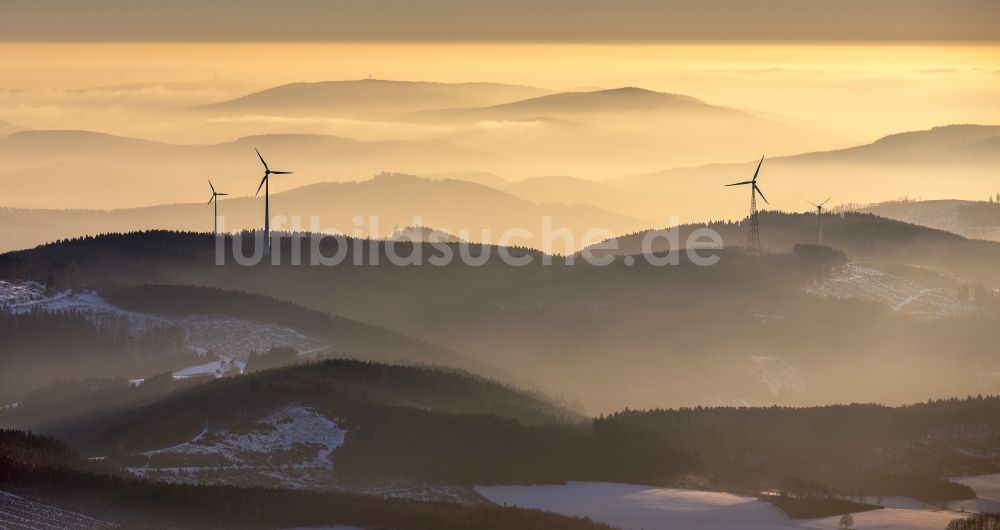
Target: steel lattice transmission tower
753 238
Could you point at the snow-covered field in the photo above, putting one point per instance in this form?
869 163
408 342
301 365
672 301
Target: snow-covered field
632 507
290 447
987 488
20 513
902 294
218 337
338 527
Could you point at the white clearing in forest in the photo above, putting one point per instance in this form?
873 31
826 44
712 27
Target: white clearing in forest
631 507
218 337
777 374
902 294
220 368
282 431
20 292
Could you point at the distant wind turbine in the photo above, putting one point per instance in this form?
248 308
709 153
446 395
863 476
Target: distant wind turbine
267 205
819 216
753 239
215 198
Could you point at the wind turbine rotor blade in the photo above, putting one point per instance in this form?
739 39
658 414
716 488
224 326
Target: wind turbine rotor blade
211 186
758 168
744 183
812 203
261 159
826 201
222 194
262 181
281 172
761 194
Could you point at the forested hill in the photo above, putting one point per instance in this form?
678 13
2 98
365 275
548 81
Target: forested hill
348 338
861 235
612 336
417 424
46 469
339 387
906 450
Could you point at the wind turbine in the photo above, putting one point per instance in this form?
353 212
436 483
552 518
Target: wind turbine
753 239
215 198
819 216
267 198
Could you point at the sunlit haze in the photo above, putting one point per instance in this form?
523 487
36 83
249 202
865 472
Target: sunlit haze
500 265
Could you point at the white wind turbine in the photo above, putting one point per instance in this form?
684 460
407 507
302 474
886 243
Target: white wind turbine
215 199
819 216
267 214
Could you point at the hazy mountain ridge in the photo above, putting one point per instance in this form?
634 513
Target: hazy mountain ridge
947 143
896 147
912 162
972 219
370 96
8 128
562 189
155 173
568 104
394 199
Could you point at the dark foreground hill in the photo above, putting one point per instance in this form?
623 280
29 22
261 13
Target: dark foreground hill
420 425
43 468
908 450
390 435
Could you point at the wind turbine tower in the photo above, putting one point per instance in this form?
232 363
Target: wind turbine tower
753 238
215 199
267 206
819 216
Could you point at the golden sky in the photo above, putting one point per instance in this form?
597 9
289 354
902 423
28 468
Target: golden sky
852 91
507 20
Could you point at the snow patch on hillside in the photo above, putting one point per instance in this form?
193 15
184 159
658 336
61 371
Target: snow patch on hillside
289 448
900 293
20 292
283 431
215 336
220 368
777 374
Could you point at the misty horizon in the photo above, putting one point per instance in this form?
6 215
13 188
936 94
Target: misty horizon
532 265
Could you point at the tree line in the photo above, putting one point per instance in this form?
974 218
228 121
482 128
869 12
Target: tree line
46 468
